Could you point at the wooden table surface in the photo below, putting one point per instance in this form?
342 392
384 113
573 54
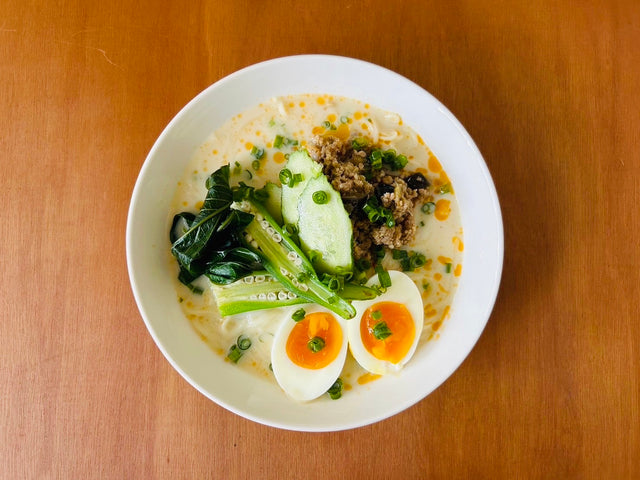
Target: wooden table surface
549 92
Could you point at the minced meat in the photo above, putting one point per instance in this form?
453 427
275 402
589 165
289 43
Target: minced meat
347 169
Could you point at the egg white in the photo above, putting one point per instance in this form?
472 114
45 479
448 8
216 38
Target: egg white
299 383
402 290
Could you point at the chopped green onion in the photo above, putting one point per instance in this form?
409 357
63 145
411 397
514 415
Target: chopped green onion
298 314
290 229
316 344
398 254
379 252
445 188
285 176
376 315
237 169
290 141
320 197
270 366
234 353
377 213
359 143
333 282
425 286
326 124
243 342
447 268
344 119
400 162
272 122
277 142
383 276
314 256
249 173
297 178
381 331
255 165
417 260
257 152
194 289
335 392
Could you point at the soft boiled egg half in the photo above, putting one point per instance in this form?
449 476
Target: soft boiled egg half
308 355
385 331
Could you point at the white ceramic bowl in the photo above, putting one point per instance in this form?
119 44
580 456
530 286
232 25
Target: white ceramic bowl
148 224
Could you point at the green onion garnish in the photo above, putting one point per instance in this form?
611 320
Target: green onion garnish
381 331
290 229
237 169
445 188
194 289
376 315
243 342
297 178
277 142
344 119
326 124
285 176
383 276
428 208
376 159
447 268
398 254
320 197
314 256
359 143
377 213
298 314
255 165
417 260
257 152
234 353
316 344
335 392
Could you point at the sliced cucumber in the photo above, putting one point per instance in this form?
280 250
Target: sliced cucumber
299 163
325 227
273 203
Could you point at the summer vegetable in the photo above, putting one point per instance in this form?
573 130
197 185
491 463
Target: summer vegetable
234 239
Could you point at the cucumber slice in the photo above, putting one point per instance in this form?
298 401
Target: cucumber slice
299 162
325 228
273 202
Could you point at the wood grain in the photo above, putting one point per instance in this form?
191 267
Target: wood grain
549 92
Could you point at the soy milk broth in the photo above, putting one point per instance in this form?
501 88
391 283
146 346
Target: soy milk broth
296 119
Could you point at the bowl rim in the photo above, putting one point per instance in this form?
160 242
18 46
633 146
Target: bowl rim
497 229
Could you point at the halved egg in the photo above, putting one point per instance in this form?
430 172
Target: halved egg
384 333
308 355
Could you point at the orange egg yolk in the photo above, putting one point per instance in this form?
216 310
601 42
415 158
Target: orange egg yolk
318 324
399 323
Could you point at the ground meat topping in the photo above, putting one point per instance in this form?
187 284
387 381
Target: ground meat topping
347 170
